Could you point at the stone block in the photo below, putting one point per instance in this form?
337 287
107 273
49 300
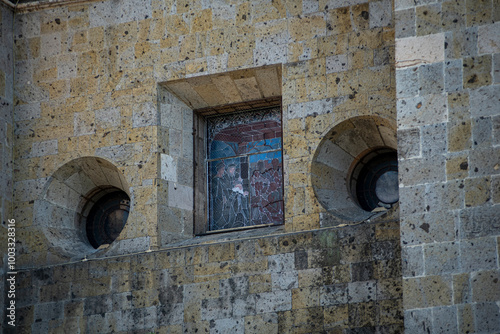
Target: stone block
441 258
412 261
459 136
444 319
434 141
465 318
483 162
44 148
362 314
305 298
478 254
422 170
180 196
453 76
428 227
487 317
334 294
496 68
477 71
302 110
359 292
281 263
428 19
479 222
275 301
407 82
485 101
427 291
216 308
485 286
337 63
380 14
477 191
430 49
336 316
144 115
422 110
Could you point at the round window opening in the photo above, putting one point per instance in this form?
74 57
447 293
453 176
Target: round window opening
107 217
374 180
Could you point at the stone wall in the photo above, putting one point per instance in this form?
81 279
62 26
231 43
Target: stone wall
6 130
329 280
448 63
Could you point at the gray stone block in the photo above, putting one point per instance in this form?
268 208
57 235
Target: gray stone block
434 139
480 221
428 227
453 76
478 254
359 292
485 101
483 162
441 258
144 115
318 107
419 321
108 118
407 82
216 308
485 286
422 110
170 314
227 326
488 38
412 259
333 294
444 319
422 170
380 14
284 280
431 79
496 68
235 286
273 301
44 148
281 263
487 316
482 132
409 145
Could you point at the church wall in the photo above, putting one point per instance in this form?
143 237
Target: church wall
89 94
448 92
6 127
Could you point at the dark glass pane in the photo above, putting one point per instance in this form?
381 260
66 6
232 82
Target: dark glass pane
247 133
266 184
245 170
228 195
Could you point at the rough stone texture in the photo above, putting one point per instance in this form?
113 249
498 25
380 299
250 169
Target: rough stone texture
449 221
206 285
99 79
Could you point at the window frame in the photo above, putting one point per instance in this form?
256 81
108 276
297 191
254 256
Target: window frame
200 151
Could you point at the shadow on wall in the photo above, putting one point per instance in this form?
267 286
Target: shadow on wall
82 188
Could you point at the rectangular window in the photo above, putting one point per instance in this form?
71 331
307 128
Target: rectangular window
244 166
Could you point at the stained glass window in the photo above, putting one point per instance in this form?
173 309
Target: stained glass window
245 169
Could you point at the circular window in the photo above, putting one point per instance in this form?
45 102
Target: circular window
376 185
354 172
107 217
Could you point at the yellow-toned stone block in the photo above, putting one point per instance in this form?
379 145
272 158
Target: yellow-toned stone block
266 11
221 252
338 21
303 28
305 297
202 21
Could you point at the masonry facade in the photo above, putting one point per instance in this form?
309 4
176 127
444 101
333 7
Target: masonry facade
99 95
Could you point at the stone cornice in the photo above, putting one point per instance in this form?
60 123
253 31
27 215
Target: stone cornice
40 5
